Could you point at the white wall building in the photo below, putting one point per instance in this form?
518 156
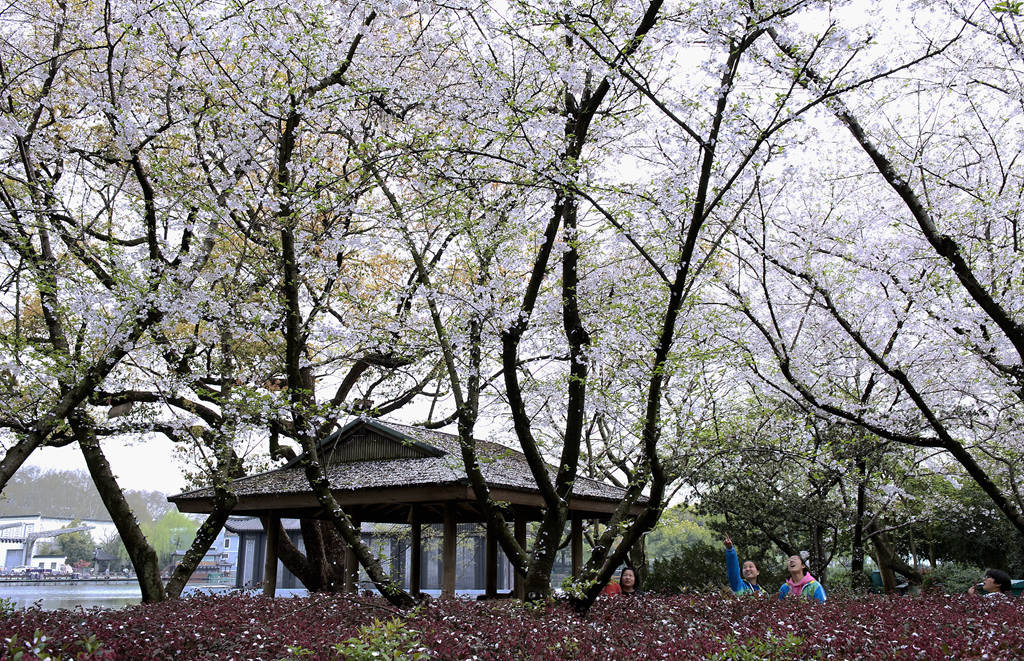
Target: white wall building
16 531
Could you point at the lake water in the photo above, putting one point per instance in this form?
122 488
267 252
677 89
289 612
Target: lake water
118 594
52 596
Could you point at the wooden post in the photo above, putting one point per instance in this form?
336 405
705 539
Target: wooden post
352 565
576 545
491 564
520 580
449 549
272 526
415 553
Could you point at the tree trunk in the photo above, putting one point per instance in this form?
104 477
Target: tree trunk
223 502
888 561
321 567
344 527
638 560
299 564
885 571
858 580
142 555
817 560
15 457
228 466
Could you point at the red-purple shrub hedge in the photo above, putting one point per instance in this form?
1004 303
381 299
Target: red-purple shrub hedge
238 626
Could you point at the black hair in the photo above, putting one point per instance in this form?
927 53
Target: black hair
1001 578
635 577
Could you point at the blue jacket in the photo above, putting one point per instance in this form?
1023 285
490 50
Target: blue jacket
736 582
810 590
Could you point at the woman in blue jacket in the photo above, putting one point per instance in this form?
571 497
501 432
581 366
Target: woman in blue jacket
745 583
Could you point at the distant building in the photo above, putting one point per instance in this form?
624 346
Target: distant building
101 561
19 535
226 546
51 562
219 562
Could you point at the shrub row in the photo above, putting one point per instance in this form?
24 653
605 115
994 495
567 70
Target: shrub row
238 626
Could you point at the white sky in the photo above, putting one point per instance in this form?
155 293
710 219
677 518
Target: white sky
147 466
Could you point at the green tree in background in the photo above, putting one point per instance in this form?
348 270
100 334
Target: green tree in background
76 546
679 528
171 532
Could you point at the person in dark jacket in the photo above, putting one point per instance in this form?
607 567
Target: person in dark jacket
745 581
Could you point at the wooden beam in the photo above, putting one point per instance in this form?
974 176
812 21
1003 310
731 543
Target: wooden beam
415 552
449 549
272 526
491 564
576 545
520 580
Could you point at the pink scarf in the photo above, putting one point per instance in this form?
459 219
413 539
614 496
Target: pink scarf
796 589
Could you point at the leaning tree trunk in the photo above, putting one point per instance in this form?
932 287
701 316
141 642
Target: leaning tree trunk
297 562
142 555
888 577
223 502
888 561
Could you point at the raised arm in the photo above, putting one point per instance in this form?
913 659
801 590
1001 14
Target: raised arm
732 565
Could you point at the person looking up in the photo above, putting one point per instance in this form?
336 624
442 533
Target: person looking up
800 582
995 584
741 581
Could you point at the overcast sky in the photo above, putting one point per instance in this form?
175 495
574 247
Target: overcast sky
148 466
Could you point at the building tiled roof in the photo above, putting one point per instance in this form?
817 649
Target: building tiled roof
240 524
502 467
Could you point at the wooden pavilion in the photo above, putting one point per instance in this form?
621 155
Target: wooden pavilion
384 472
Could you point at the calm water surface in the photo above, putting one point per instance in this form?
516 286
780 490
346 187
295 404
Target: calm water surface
52 596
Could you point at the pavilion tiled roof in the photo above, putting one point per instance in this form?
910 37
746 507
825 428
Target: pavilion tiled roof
501 466
243 524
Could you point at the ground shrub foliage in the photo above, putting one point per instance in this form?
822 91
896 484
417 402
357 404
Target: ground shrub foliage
237 626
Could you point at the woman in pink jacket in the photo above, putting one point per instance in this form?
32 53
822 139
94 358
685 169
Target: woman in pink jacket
800 582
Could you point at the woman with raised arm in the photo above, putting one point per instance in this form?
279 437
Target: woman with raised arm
744 582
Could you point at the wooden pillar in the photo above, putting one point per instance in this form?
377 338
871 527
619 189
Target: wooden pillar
352 565
576 545
448 553
272 526
491 564
520 579
415 553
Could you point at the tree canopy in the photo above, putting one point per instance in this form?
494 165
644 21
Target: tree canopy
765 255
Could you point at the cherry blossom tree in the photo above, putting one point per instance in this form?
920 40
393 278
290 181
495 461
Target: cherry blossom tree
883 282
98 243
